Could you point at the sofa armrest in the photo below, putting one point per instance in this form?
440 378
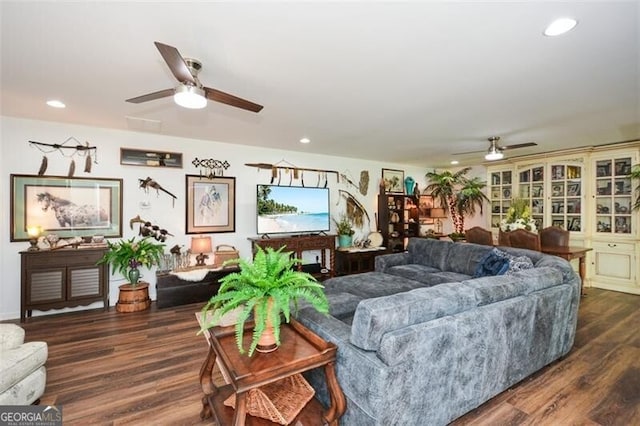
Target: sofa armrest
386 261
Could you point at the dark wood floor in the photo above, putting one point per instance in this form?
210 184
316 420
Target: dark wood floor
142 368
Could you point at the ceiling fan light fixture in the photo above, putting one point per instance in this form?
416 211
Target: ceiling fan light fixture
190 97
494 154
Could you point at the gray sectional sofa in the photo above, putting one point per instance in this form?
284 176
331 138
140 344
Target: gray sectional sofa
422 342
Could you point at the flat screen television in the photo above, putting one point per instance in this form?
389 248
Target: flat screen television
292 209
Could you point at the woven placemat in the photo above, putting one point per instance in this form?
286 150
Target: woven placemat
280 401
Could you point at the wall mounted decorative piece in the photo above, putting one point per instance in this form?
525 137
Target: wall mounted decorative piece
212 167
147 183
65 206
393 181
71 145
139 157
425 204
211 204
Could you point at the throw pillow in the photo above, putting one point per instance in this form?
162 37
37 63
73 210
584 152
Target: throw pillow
491 264
516 263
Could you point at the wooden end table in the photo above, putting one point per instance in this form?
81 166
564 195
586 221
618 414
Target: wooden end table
300 350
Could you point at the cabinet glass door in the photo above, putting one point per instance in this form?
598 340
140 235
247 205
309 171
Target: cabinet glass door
531 187
500 192
566 196
613 194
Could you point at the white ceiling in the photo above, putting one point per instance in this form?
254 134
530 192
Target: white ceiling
403 82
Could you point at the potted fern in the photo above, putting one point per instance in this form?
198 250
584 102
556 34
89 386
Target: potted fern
266 287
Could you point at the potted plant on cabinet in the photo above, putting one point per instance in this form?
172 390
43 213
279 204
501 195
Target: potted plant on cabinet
344 227
266 287
126 257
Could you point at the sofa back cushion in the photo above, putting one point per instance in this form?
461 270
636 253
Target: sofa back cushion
429 252
464 258
376 317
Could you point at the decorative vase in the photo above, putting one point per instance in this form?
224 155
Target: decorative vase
345 241
409 182
133 275
267 342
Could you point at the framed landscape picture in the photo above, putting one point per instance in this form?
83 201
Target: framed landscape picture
211 204
64 206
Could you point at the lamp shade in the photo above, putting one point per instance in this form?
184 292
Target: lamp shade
201 245
190 97
438 213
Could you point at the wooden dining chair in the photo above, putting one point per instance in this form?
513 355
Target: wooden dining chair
479 235
553 236
503 238
521 238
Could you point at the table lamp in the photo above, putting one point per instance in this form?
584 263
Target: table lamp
438 214
34 232
201 245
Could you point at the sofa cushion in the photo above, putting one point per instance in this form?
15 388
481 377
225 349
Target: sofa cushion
27 390
11 336
370 284
376 317
429 252
421 273
18 363
463 258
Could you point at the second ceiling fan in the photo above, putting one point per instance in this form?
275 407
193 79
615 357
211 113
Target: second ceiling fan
495 151
190 93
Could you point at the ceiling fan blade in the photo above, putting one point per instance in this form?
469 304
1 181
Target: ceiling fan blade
518 145
152 96
225 98
176 63
469 152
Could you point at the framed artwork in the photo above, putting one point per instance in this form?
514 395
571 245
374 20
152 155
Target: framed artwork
67 207
425 204
393 181
138 157
211 204
558 222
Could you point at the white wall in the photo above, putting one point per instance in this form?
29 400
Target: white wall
18 157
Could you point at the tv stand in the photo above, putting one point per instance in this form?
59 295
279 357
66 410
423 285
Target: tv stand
301 243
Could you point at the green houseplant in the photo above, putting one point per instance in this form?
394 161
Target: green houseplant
458 194
266 287
126 256
344 228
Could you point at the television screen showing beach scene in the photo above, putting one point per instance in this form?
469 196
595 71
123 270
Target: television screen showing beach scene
292 209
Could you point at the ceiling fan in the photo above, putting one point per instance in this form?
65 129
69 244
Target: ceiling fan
495 151
190 93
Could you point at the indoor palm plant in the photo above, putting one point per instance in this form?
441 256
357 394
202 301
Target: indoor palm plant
458 194
266 287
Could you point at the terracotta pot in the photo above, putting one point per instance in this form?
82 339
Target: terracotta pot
133 298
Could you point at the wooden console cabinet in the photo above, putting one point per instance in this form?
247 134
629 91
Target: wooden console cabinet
55 279
298 244
357 261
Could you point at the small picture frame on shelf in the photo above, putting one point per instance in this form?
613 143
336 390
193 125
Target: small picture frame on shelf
556 190
506 193
558 223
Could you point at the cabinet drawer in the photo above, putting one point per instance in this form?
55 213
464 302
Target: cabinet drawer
613 246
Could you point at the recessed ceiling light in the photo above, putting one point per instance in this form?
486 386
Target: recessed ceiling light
305 140
454 162
56 103
560 26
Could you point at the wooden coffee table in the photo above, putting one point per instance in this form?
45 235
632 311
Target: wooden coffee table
300 350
